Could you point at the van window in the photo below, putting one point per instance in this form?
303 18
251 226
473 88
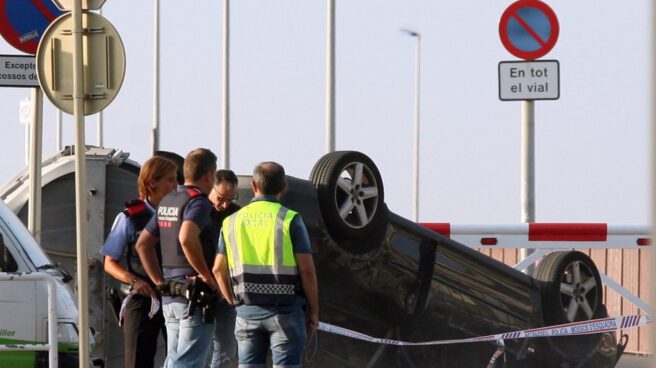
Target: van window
7 262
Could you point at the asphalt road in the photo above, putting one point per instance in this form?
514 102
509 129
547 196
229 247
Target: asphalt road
636 361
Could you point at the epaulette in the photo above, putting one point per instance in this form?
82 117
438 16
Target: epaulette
194 192
135 207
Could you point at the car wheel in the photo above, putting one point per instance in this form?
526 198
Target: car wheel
571 292
571 287
351 198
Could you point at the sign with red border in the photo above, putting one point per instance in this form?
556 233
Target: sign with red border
528 29
22 22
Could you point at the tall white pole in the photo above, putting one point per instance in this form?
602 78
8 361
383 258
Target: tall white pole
99 129
652 288
226 86
417 115
415 156
58 134
330 77
528 170
80 186
36 136
155 131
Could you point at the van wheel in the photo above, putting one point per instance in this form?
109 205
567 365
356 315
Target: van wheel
351 198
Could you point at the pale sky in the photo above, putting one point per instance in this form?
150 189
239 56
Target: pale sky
592 145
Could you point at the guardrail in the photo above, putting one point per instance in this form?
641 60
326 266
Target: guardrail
52 344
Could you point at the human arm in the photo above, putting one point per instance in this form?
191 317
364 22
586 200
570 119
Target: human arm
113 251
220 271
146 248
192 248
306 270
117 271
308 275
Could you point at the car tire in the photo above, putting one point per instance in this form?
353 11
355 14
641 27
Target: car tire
571 292
571 287
351 198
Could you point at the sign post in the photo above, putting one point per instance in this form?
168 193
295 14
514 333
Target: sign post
84 48
529 30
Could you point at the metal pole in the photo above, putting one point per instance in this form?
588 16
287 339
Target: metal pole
226 86
58 137
155 131
52 344
528 171
330 77
99 129
652 288
80 185
99 118
415 212
415 156
36 135
27 143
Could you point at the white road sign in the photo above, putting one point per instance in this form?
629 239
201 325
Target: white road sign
529 80
18 71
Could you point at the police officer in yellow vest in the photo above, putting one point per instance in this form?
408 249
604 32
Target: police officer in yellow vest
264 266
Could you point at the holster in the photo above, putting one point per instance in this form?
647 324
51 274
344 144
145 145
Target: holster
115 301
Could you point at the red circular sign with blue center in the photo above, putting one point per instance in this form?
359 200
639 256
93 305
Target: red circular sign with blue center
22 22
528 29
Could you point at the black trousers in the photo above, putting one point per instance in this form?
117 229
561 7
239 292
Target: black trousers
140 333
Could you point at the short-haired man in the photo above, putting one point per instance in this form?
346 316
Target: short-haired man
182 225
264 266
222 196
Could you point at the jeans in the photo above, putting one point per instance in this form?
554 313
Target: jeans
285 334
188 336
225 344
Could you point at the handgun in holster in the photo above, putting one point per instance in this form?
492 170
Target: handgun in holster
114 300
200 295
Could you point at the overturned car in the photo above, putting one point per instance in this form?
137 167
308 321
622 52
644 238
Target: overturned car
385 276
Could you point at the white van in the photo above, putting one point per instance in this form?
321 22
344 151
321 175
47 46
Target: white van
23 304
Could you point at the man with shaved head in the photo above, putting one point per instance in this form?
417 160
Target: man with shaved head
264 267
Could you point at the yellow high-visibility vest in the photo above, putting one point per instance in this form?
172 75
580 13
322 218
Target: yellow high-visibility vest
260 254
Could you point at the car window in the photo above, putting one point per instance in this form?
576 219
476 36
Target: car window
7 261
405 245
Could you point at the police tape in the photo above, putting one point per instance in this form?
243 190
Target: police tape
568 329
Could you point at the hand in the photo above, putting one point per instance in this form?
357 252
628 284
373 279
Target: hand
143 288
312 322
210 281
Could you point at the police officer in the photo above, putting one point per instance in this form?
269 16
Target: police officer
156 179
222 196
264 266
182 224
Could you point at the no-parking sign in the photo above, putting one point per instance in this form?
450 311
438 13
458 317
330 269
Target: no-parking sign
528 29
22 22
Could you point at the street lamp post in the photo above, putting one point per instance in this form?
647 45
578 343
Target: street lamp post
415 176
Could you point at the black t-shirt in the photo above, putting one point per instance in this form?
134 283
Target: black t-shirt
217 220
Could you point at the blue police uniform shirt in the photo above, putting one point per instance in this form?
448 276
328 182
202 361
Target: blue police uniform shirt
198 211
300 243
122 232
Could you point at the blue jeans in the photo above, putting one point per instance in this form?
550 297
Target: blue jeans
188 336
284 333
225 344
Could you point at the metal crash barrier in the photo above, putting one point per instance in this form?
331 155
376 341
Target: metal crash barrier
52 344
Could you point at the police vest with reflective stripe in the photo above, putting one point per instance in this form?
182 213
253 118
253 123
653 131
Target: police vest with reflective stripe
138 212
261 256
169 219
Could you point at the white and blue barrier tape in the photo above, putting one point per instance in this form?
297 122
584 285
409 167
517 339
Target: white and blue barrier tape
568 329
